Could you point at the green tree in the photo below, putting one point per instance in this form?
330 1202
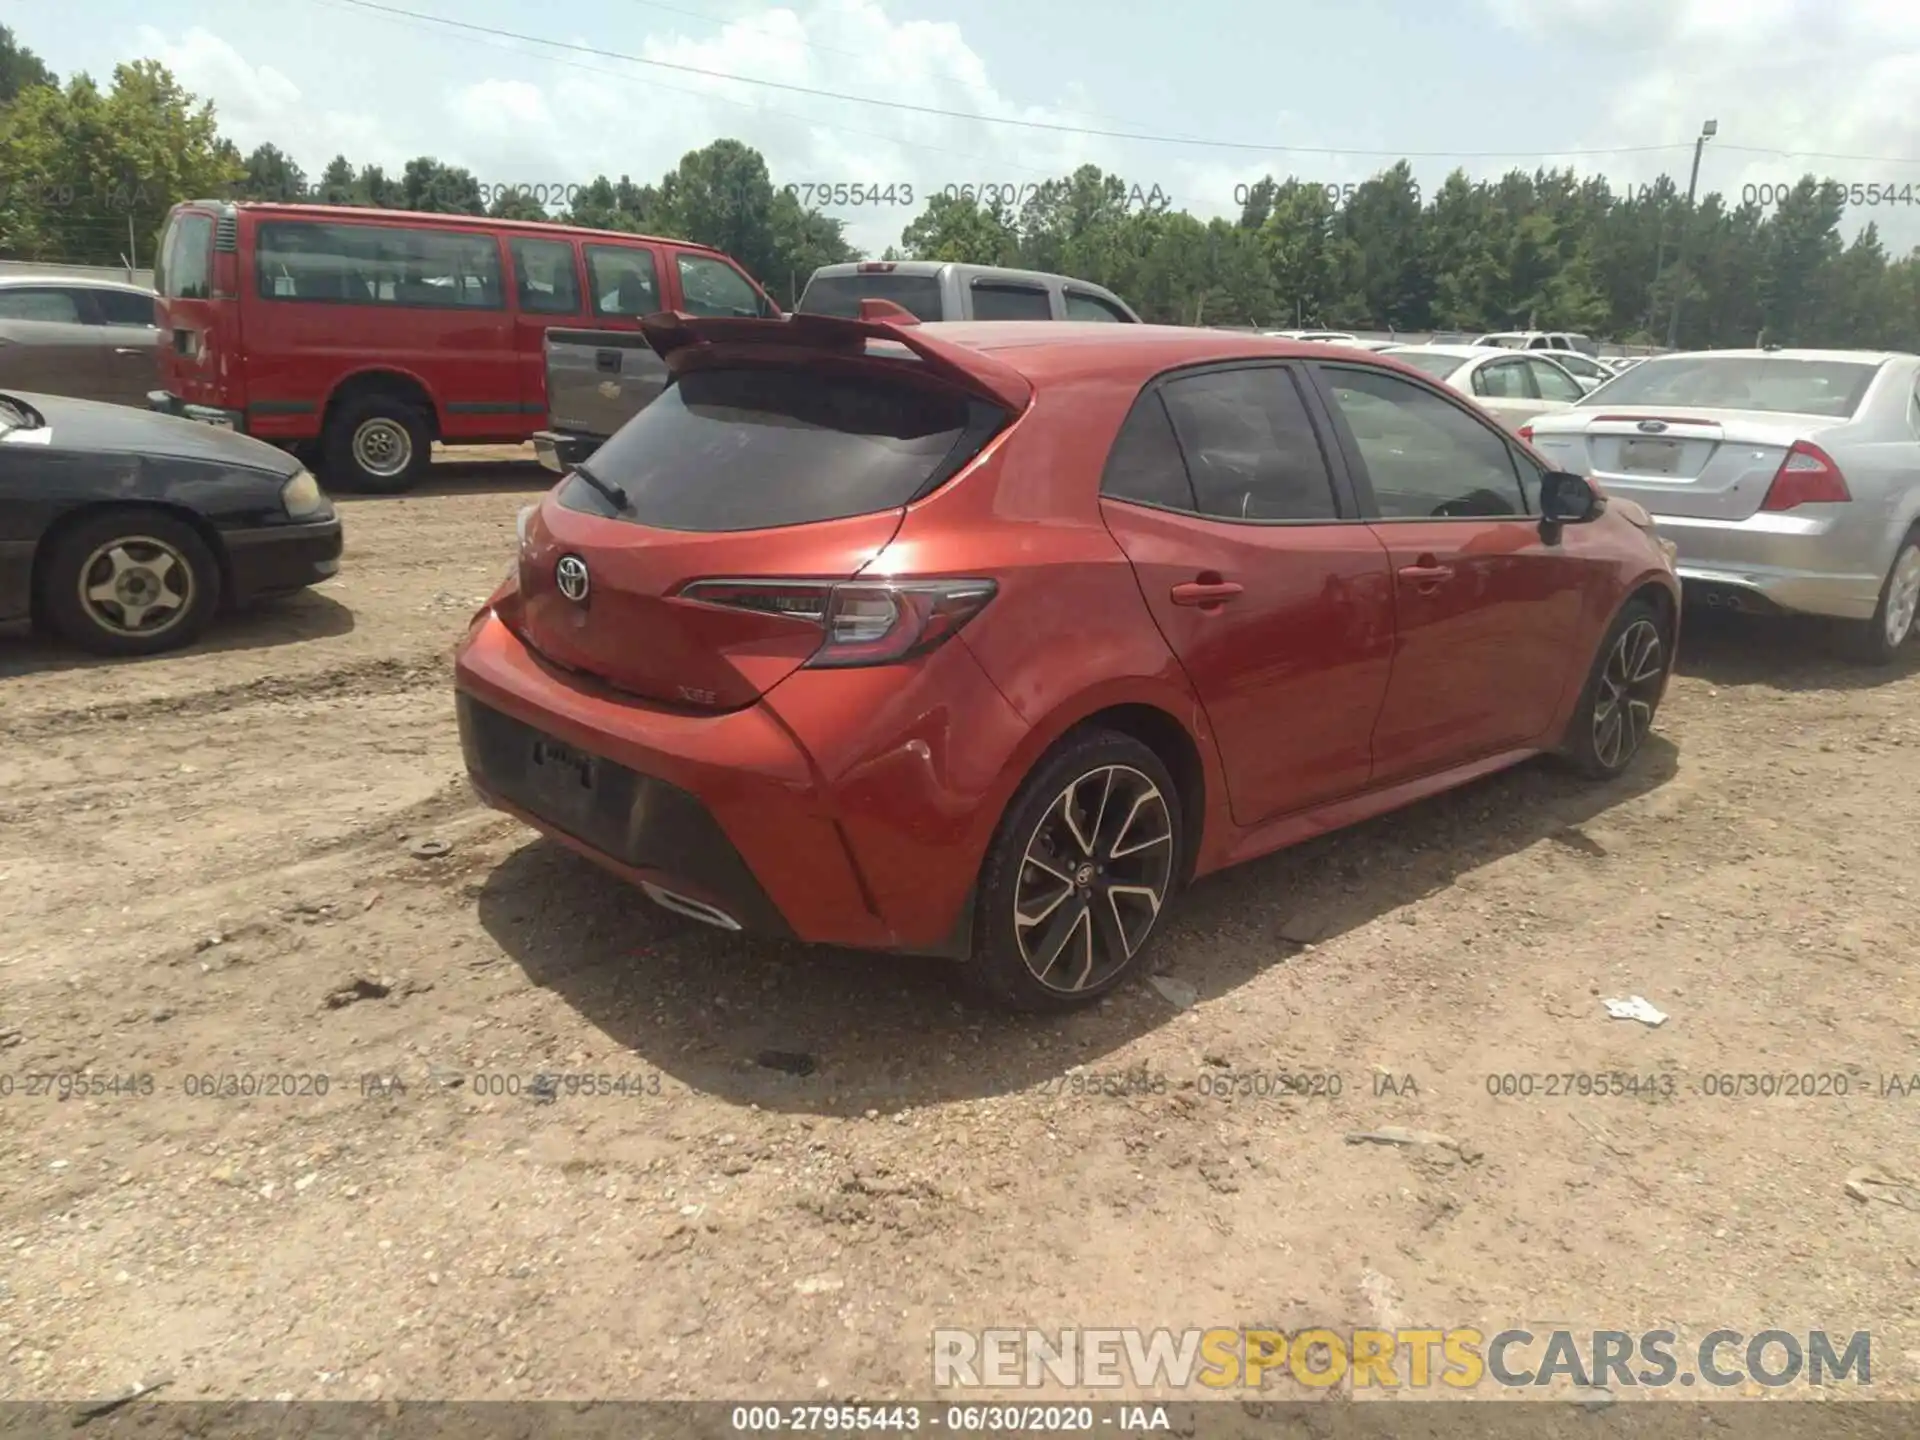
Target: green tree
20 67
963 230
272 175
426 184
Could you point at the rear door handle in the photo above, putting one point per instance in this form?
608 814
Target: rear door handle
1196 592
1426 574
608 360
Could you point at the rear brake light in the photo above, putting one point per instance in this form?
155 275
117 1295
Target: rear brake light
876 267
1807 476
863 622
1526 433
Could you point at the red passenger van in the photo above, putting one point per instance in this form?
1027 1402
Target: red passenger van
359 337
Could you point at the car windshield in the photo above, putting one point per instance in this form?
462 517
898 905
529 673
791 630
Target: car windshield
1426 361
1831 388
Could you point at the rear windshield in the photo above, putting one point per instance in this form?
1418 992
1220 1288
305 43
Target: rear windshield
1832 388
1428 363
755 448
841 294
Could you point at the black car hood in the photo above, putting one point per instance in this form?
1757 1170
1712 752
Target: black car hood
93 425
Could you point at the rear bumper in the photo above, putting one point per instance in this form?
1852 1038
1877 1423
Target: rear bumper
167 403
560 450
845 808
1808 563
279 559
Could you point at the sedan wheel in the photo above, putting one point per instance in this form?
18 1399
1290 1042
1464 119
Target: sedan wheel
1083 864
130 582
1878 641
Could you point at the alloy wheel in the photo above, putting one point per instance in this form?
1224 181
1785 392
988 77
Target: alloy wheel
136 585
1903 595
1094 876
1629 688
382 447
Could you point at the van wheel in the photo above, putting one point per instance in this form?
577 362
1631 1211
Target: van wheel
1878 641
130 582
1084 861
377 445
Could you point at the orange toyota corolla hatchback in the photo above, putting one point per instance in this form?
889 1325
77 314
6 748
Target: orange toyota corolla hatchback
981 640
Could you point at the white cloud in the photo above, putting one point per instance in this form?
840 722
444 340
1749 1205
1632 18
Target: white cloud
1825 81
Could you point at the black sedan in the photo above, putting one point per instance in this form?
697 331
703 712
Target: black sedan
127 531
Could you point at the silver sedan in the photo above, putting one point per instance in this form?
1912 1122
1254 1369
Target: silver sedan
1789 480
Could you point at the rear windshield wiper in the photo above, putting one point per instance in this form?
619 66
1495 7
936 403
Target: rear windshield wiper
610 492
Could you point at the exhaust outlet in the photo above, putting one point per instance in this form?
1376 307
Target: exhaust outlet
685 905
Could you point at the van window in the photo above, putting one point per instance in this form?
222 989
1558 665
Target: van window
713 287
378 265
623 279
544 276
187 258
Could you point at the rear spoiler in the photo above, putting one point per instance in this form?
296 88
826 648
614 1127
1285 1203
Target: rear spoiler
674 336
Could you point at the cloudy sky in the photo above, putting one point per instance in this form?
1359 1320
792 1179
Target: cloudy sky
1197 99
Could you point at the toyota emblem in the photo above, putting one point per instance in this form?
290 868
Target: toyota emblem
1652 427
571 576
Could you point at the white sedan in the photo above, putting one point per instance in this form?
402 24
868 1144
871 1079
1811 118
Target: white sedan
1514 386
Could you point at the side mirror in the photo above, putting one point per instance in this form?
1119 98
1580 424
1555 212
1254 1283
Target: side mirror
1568 499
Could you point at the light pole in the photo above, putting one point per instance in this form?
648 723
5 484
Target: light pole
1707 132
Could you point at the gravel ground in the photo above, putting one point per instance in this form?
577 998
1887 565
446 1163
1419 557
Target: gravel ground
208 868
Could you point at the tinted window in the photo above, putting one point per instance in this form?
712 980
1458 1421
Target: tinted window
1092 307
188 265
713 287
124 307
544 277
1438 366
1425 456
755 448
841 294
1503 380
1833 388
35 303
1250 449
1145 463
623 280
377 265
1554 383
1010 302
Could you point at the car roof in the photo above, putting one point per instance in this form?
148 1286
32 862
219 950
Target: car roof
934 267
1067 349
1858 357
1464 352
293 210
93 282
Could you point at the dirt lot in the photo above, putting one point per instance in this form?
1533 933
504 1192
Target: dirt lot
197 852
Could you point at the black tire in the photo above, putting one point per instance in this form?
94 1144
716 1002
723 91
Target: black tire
1623 690
1874 642
158 556
1111 938
376 445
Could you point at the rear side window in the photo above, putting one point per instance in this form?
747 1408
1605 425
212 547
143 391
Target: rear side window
123 307
378 265
841 294
1144 465
756 448
623 280
1010 302
187 260
1554 383
544 277
57 307
1081 306
1250 448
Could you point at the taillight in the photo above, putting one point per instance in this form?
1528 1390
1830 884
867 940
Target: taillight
1526 433
1807 476
863 622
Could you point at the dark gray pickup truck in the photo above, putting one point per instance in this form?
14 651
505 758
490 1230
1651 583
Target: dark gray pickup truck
597 380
